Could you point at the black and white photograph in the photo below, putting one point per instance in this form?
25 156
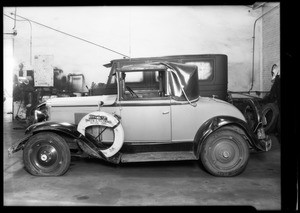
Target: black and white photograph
142 106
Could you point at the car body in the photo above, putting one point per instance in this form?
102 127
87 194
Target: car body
164 120
212 81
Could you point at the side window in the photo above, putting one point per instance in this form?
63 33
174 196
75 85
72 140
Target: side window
205 69
134 86
134 77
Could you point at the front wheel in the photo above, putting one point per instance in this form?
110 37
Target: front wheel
46 154
225 153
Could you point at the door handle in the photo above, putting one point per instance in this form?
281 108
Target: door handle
166 112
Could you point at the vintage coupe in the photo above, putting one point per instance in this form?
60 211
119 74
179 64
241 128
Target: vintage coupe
163 120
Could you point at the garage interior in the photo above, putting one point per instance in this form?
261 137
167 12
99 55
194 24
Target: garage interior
30 57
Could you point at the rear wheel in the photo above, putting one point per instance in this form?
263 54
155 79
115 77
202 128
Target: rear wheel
46 154
225 153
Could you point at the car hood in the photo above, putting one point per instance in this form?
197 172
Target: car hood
82 101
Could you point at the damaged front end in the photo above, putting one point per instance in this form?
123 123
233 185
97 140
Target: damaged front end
88 146
48 126
18 145
85 144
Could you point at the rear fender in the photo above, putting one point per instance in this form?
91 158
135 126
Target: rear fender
255 106
215 123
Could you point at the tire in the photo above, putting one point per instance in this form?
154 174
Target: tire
270 111
46 154
225 153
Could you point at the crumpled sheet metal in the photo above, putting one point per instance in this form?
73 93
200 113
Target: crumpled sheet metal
185 76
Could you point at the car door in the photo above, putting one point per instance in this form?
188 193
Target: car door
144 108
146 120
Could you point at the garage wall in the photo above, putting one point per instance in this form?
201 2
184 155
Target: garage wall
8 64
271 43
141 32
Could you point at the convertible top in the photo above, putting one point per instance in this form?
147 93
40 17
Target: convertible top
143 67
173 58
186 77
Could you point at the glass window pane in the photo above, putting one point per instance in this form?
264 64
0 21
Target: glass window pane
134 77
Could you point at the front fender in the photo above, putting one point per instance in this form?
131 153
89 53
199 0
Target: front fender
66 128
18 146
217 122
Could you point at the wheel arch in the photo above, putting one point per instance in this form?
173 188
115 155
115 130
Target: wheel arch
65 135
215 123
65 131
64 128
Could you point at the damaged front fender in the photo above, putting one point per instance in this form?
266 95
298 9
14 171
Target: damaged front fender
77 134
18 146
66 128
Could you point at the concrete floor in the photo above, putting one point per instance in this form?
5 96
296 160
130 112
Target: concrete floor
91 182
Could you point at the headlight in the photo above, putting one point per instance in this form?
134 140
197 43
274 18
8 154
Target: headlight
41 114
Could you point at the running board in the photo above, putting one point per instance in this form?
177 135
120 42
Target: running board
158 156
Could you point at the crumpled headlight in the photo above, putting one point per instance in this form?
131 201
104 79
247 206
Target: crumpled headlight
41 113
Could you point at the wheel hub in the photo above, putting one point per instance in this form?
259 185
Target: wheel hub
225 154
44 157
